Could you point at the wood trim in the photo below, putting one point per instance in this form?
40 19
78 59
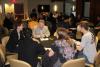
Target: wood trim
79 8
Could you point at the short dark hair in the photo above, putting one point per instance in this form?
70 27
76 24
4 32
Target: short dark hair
42 21
66 17
18 23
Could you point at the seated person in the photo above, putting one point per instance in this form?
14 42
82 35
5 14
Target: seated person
15 36
41 31
29 49
32 24
62 48
66 24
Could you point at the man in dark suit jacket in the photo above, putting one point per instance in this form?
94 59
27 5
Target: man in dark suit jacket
15 36
29 50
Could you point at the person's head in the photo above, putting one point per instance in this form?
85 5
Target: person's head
19 25
32 25
41 23
62 34
83 26
27 32
66 19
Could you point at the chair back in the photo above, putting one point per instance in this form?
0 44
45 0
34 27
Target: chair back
96 41
9 55
97 59
75 63
18 63
98 35
5 40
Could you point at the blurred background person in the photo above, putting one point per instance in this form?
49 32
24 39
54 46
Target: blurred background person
66 22
9 21
33 14
41 30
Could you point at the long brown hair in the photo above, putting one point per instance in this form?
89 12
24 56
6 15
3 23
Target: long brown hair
63 34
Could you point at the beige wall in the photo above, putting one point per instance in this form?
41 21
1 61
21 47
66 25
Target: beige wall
30 4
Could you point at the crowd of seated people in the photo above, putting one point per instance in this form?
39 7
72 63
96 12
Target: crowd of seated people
24 40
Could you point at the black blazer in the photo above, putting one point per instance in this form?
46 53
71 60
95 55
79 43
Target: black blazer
29 51
13 41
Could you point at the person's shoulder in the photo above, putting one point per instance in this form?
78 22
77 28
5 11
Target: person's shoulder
14 30
36 40
45 27
88 34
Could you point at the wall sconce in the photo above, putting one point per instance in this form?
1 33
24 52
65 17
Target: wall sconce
0 9
73 8
42 7
9 8
55 8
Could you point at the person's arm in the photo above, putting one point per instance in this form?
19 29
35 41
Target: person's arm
40 49
85 41
46 33
53 50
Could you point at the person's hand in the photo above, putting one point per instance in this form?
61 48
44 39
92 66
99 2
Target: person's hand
51 53
73 40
